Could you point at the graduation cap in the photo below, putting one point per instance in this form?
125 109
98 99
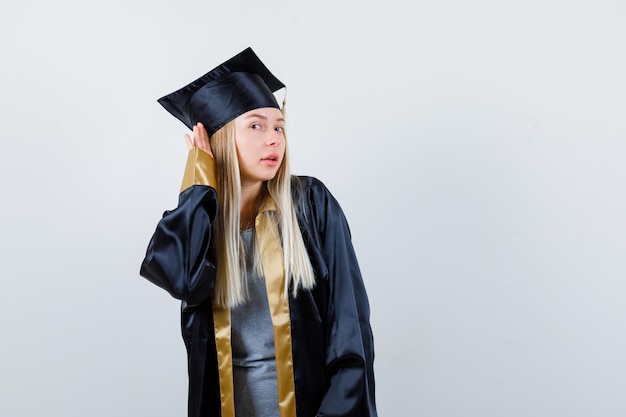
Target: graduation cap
241 84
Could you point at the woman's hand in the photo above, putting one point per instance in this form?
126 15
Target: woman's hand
200 139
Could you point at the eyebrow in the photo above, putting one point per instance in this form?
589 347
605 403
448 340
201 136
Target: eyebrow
260 116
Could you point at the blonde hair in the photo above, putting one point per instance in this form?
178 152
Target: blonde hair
230 288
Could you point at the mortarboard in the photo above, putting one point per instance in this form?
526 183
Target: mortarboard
241 84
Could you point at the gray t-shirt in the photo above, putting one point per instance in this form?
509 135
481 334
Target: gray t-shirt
254 361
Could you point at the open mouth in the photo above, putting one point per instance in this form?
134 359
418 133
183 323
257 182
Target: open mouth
272 158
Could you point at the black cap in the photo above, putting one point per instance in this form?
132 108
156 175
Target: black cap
241 84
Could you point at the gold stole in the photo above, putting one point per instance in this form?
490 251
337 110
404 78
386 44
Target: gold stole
273 269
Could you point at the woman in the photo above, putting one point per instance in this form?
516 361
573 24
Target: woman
275 316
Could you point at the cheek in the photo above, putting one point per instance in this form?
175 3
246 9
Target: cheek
242 149
246 155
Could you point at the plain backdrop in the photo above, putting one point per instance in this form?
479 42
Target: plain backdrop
477 149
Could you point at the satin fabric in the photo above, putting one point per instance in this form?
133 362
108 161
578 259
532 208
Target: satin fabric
222 100
273 271
332 343
234 87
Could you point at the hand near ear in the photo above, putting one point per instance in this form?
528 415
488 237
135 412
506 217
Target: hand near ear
200 139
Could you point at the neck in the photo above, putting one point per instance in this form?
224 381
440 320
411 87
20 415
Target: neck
250 195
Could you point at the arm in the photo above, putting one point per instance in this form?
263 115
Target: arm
350 347
176 258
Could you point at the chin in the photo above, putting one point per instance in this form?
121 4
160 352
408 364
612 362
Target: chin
271 176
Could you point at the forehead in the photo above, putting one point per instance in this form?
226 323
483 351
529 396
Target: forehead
269 113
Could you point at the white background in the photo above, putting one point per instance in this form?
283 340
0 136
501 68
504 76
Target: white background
477 149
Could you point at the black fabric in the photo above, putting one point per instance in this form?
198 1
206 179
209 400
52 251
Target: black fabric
241 84
333 348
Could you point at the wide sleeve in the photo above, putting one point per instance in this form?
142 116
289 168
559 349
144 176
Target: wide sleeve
176 259
350 345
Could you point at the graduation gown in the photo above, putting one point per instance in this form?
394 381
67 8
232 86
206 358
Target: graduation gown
323 340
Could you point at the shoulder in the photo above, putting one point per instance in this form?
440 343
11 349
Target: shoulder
311 190
304 182
314 202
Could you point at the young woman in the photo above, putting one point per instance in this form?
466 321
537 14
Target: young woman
275 316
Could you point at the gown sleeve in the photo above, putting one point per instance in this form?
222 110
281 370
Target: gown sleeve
350 345
176 259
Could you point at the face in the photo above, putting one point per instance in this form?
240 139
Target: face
260 140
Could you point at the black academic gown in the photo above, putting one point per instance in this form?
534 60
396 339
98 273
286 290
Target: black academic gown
331 338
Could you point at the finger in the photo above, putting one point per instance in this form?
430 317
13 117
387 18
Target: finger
189 141
199 137
202 136
206 140
196 138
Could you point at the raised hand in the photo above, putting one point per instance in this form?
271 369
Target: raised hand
200 139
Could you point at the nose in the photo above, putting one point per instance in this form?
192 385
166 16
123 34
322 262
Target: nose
274 138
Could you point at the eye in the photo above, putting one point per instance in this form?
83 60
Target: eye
279 129
255 126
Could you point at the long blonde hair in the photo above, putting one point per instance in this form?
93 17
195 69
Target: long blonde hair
230 288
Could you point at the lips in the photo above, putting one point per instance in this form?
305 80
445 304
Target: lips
271 158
